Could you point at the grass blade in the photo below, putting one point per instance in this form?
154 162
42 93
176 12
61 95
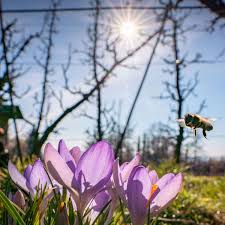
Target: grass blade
12 210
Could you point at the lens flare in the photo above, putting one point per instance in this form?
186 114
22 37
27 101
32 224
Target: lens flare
129 26
128 30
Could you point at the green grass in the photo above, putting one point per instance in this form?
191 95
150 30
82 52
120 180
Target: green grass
202 201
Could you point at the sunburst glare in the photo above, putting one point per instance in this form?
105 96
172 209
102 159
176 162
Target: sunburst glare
128 30
129 26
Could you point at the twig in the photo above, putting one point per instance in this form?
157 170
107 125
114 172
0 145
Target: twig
120 142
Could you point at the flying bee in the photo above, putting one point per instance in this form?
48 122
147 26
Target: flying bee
195 121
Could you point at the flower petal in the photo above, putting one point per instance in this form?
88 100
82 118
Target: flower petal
138 192
164 180
65 154
161 183
118 181
44 203
93 171
113 205
94 168
57 166
153 176
123 165
27 171
167 194
98 204
128 167
38 176
17 177
100 201
76 153
18 199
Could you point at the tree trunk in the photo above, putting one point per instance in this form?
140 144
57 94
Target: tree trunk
180 136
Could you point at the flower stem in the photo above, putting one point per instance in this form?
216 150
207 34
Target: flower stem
122 210
148 218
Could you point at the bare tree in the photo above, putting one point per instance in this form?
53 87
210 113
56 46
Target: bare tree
85 96
157 144
12 49
95 55
49 30
100 70
218 8
95 72
160 31
179 90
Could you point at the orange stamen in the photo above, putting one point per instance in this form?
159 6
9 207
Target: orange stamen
153 190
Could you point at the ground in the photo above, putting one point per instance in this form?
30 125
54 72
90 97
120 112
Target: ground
202 201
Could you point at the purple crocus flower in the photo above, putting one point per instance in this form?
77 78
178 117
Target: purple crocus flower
114 188
18 199
144 189
121 175
83 175
34 178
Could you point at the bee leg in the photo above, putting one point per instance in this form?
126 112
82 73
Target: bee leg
204 133
195 132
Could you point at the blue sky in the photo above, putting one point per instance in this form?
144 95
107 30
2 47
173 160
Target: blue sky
72 29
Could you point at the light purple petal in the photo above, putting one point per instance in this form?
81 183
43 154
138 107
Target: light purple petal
57 167
99 202
118 181
65 154
123 165
38 176
121 175
17 177
128 167
138 192
94 168
161 183
101 199
93 171
164 180
167 194
44 204
27 171
153 176
76 153
113 205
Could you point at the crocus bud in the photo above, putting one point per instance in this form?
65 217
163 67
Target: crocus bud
18 199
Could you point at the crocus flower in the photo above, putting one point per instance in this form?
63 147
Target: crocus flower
84 176
145 190
121 175
34 178
18 199
114 188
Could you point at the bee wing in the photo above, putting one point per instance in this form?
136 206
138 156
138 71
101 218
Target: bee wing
181 122
212 120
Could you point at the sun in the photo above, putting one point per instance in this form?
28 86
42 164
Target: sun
128 26
128 30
